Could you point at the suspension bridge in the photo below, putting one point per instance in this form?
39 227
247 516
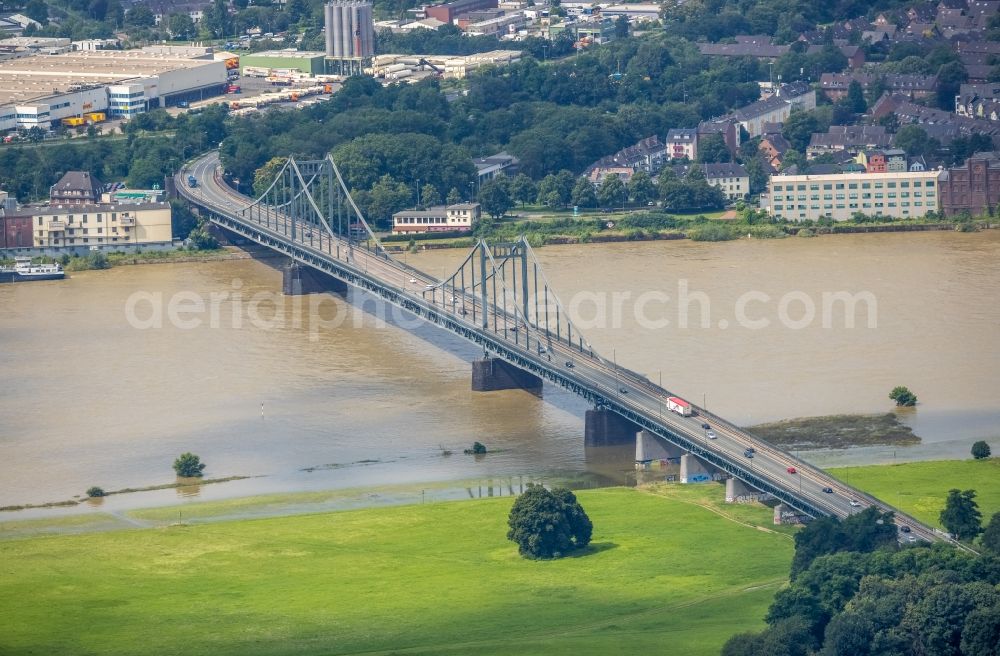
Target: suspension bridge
500 300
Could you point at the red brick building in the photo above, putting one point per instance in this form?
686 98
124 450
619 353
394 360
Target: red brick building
15 232
973 187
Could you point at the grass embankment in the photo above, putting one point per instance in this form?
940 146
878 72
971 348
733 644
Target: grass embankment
920 488
837 432
435 578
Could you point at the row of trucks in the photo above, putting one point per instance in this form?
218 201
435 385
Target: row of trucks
270 98
88 118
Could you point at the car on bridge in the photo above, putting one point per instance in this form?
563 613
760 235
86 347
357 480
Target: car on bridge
828 490
569 364
854 503
792 470
711 435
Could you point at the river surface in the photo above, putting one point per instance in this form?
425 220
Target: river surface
105 385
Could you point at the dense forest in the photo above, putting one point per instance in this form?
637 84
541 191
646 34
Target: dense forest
856 592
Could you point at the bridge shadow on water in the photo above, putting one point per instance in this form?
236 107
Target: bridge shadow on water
377 309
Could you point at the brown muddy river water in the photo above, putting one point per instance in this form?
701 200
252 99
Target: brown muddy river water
109 375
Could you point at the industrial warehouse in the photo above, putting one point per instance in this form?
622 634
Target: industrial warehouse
41 90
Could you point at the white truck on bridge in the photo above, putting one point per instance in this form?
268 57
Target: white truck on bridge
679 405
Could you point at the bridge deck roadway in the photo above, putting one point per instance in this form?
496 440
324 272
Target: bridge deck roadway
606 385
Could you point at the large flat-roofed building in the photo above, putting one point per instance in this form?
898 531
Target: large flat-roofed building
104 224
448 11
838 196
39 90
310 63
459 218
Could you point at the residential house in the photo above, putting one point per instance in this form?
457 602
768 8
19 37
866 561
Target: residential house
682 142
839 138
647 155
973 187
872 160
776 108
729 130
746 46
76 188
941 125
606 166
836 85
879 34
978 101
773 147
732 179
460 217
81 226
890 160
855 54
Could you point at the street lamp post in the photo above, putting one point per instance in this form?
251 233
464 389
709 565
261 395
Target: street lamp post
614 360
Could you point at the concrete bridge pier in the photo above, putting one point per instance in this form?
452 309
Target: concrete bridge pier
694 470
737 490
606 428
297 280
649 446
493 374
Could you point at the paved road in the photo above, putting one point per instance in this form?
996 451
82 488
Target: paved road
630 390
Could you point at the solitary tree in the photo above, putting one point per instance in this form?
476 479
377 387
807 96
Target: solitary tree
981 450
903 396
188 465
548 524
961 514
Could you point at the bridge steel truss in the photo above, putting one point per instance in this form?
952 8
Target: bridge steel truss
308 215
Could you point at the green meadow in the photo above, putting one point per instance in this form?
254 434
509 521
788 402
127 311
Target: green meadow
920 488
668 568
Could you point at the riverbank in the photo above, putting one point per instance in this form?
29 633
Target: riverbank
837 432
180 484
431 578
77 263
645 226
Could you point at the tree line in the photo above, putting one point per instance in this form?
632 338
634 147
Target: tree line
855 592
